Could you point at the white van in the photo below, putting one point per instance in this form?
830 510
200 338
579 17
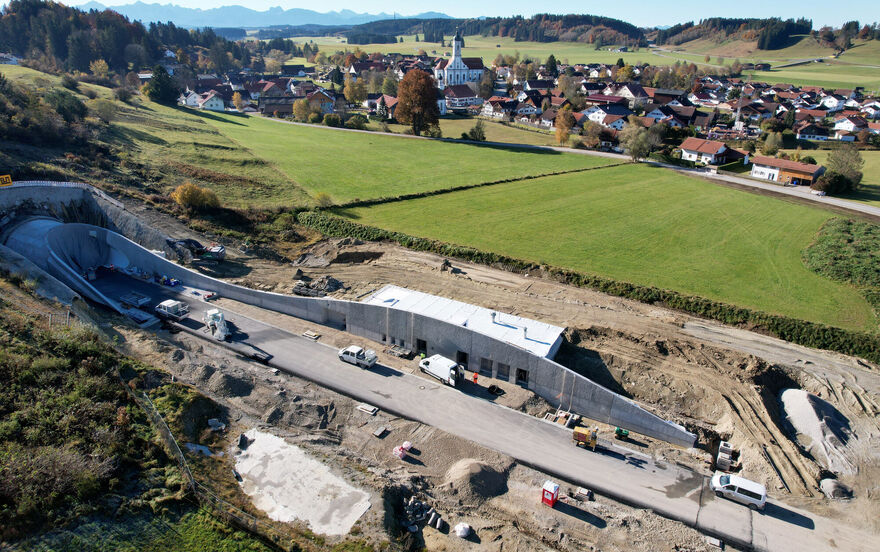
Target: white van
739 489
445 370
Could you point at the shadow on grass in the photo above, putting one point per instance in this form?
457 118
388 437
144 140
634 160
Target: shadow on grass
130 136
210 115
865 193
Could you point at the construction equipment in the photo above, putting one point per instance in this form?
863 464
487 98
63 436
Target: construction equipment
586 437
215 251
215 321
620 433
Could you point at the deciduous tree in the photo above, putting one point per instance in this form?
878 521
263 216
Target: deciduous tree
848 162
564 122
417 101
237 101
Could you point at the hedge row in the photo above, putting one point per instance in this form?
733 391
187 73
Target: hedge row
417 195
802 332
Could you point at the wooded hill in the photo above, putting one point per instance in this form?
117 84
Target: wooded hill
771 34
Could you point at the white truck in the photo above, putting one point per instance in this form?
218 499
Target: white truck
173 310
358 356
445 370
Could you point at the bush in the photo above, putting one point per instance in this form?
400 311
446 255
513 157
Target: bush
323 199
105 110
434 131
70 83
357 122
315 118
477 133
833 183
122 93
332 120
90 94
194 198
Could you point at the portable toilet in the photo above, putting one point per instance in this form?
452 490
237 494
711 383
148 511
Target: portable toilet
550 493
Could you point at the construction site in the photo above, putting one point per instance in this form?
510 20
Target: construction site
392 451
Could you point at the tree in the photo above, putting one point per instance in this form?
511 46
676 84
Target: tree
323 199
636 140
625 74
477 133
772 143
194 198
552 66
104 109
789 119
591 133
382 109
99 68
389 85
161 88
833 183
332 120
620 62
355 91
417 101
237 101
564 122
302 110
848 162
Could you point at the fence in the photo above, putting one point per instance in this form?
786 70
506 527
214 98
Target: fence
205 496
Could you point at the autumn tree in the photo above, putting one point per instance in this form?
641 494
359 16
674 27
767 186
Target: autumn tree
99 68
417 101
355 91
194 198
564 122
636 140
302 110
237 101
772 143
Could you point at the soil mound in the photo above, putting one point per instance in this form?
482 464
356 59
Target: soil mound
471 479
820 428
229 386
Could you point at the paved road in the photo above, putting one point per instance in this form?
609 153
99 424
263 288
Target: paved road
670 490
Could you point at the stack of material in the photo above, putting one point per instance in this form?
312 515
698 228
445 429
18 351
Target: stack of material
417 512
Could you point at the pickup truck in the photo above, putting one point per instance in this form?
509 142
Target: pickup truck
358 356
173 310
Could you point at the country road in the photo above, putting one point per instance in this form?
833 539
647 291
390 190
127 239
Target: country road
626 475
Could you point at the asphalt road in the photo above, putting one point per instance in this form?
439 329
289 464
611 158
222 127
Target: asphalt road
626 475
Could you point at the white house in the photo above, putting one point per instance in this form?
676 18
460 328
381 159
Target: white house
810 131
459 96
833 102
698 150
785 171
850 124
458 70
211 102
189 99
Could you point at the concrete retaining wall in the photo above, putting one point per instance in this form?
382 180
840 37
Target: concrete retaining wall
79 246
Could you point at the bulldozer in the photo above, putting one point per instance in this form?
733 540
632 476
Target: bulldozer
586 437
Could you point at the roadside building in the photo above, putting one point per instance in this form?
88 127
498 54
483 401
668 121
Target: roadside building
785 171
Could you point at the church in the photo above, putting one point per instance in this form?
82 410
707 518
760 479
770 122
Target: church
458 70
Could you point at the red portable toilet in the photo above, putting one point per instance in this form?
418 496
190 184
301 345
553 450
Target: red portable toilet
550 493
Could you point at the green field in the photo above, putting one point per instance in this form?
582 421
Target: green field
648 226
869 190
452 127
350 165
489 47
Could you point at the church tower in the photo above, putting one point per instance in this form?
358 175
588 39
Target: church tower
456 45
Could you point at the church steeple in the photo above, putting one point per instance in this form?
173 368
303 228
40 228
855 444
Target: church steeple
456 45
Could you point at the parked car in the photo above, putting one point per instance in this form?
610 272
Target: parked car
358 356
442 368
739 489
817 192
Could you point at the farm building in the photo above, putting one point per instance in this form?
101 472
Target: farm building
785 171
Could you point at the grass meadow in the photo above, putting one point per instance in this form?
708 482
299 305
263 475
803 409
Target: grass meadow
357 165
648 226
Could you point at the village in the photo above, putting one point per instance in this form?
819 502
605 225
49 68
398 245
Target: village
717 121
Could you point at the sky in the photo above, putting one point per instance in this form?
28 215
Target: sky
644 13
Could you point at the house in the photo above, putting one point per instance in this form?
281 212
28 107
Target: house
458 70
539 85
597 113
212 101
293 70
499 108
833 102
321 101
810 131
665 96
785 171
709 152
852 124
189 99
357 69
633 93
9 59
461 96
614 121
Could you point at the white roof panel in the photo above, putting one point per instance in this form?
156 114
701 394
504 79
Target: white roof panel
531 335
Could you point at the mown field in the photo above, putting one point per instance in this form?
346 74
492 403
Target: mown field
349 165
869 191
648 226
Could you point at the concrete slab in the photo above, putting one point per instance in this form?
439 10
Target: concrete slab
289 485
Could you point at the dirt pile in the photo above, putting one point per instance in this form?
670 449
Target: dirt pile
227 385
820 428
474 481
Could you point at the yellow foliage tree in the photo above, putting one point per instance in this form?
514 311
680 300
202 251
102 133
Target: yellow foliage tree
194 198
237 101
99 68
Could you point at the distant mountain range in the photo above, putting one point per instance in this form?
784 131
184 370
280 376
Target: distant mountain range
239 16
